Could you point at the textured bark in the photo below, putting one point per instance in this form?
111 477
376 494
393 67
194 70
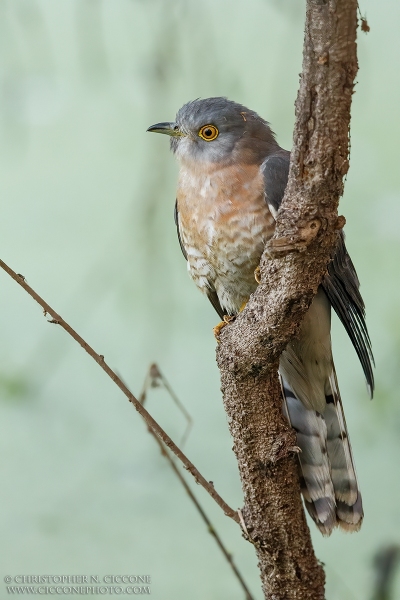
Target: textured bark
292 268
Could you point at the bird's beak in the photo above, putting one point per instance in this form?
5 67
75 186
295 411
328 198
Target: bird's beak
168 128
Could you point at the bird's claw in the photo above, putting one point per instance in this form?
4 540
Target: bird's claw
217 329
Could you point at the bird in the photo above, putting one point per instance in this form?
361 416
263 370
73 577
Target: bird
232 180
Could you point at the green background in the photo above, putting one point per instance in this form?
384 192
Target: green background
87 217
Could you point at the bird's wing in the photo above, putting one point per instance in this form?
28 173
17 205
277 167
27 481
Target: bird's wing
276 172
211 293
176 219
341 283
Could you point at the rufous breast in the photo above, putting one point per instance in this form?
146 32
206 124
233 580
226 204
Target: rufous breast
224 223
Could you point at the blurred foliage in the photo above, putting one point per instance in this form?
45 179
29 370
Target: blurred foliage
386 563
13 388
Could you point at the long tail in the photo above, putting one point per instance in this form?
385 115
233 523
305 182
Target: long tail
328 478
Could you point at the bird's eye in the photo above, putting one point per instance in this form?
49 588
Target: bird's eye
208 133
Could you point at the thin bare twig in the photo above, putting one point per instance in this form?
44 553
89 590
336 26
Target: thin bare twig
99 358
153 377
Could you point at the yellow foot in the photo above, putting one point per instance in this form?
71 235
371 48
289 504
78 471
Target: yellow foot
243 306
257 275
217 329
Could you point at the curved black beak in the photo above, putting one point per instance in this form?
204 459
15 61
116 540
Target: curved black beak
166 128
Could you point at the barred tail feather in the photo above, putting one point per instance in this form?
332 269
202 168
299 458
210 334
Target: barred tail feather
348 496
315 479
328 480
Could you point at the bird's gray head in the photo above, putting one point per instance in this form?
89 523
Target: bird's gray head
218 130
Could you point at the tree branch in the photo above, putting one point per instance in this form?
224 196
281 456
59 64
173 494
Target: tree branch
292 268
154 427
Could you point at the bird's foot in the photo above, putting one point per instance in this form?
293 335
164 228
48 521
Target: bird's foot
217 329
257 275
227 319
243 306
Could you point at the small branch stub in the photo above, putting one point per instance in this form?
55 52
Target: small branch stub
296 242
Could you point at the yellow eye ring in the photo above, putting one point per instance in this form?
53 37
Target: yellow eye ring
208 133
